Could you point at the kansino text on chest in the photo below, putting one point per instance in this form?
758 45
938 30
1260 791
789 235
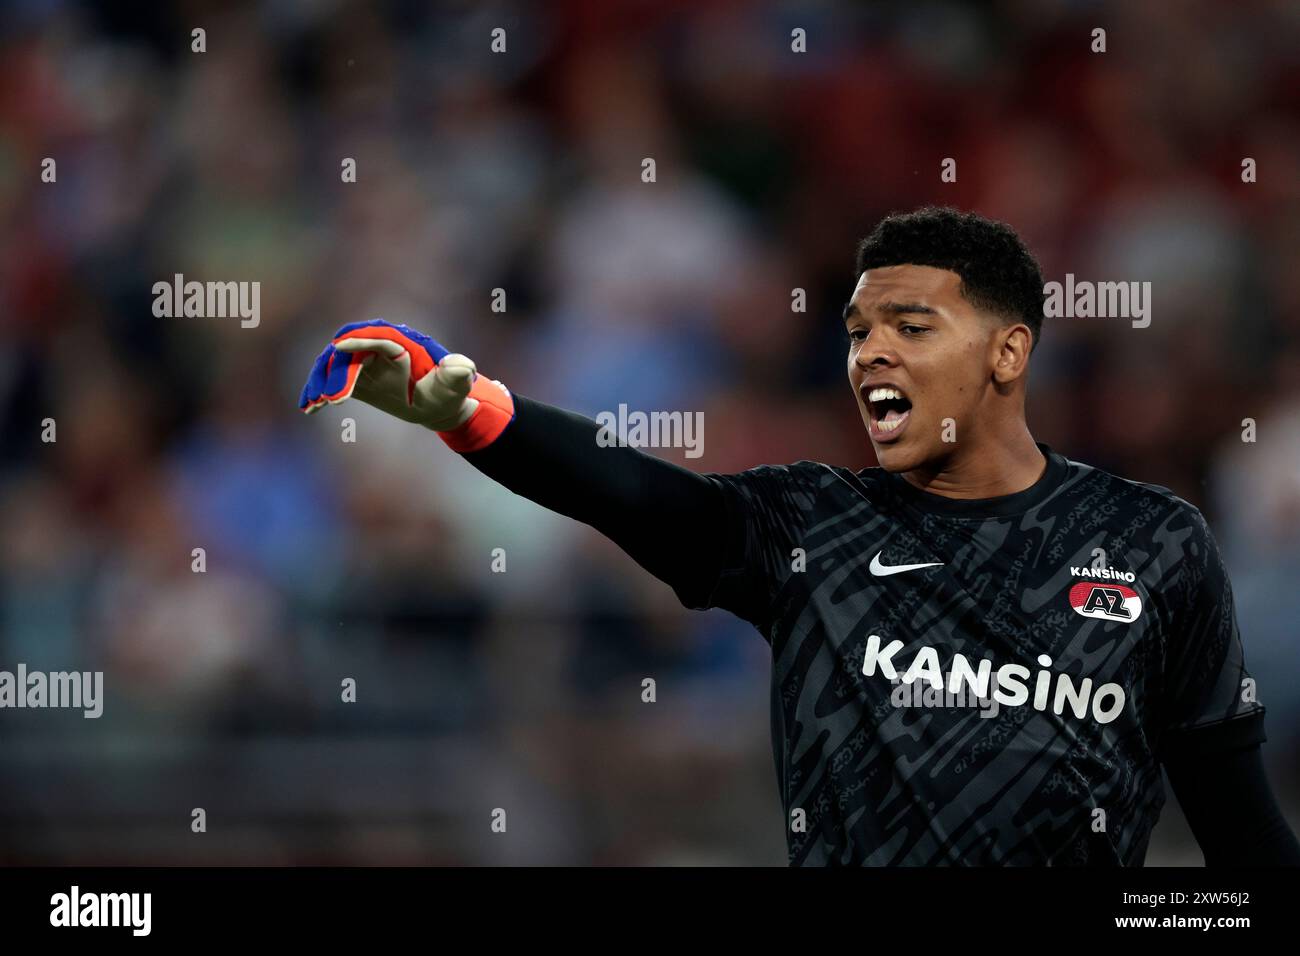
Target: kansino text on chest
1052 690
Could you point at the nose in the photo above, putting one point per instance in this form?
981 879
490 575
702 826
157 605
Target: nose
876 353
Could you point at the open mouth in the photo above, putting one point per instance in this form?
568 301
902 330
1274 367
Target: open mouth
888 410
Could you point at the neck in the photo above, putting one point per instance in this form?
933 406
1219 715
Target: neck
996 465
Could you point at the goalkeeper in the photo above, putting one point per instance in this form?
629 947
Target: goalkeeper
956 566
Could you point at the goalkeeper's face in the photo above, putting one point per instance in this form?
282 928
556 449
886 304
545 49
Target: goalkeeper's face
927 366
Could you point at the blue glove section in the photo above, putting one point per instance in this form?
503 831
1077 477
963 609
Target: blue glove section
334 373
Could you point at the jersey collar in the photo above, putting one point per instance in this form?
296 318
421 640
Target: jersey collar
999 507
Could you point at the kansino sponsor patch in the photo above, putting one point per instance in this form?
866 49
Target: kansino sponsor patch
1108 600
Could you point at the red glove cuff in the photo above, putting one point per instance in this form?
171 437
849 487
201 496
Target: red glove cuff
496 410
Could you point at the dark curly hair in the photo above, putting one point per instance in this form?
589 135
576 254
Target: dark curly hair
998 274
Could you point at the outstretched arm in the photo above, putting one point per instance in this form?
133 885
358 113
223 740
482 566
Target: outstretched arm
671 521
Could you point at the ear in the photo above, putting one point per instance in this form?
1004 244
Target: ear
1011 346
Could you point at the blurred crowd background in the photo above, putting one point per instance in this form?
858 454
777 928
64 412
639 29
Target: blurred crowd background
522 171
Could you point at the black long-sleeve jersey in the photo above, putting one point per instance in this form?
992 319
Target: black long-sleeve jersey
953 681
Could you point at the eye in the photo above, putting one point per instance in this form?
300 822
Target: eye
914 329
857 335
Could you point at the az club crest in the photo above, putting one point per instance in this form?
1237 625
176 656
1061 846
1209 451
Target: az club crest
1106 599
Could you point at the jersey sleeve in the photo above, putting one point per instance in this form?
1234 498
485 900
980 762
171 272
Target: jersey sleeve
768 507
1211 703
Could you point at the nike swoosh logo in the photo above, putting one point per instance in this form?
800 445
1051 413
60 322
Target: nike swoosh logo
884 570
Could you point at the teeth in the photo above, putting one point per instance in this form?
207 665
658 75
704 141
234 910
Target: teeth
880 394
890 426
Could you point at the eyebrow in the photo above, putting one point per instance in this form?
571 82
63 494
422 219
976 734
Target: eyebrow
890 308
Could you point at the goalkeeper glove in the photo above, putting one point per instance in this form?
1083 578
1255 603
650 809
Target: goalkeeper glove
407 374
